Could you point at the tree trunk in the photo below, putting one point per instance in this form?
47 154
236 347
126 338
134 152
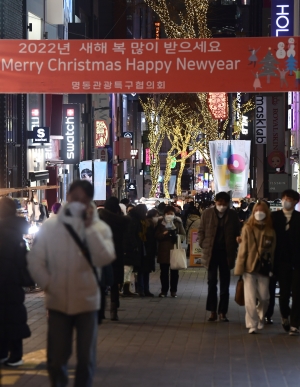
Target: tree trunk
154 172
167 176
182 165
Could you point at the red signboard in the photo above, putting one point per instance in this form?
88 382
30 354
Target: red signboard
149 66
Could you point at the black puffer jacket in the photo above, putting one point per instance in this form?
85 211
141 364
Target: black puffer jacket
132 244
13 314
118 224
287 243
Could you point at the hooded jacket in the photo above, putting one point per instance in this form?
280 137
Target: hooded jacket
57 264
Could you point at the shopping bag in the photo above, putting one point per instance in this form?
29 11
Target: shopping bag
239 292
178 256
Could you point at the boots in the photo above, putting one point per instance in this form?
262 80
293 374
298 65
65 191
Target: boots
126 290
114 312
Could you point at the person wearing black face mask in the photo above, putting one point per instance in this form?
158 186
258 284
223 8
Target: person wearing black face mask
219 228
243 213
287 260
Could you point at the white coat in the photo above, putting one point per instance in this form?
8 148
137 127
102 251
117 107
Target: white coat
57 264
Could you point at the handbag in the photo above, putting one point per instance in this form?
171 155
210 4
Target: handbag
178 256
264 263
84 249
239 292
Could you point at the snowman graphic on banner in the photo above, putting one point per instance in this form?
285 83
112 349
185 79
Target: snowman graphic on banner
281 53
291 51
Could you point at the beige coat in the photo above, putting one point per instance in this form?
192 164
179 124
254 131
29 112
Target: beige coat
56 263
247 254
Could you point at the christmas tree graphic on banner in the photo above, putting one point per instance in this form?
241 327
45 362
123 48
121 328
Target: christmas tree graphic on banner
291 64
269 66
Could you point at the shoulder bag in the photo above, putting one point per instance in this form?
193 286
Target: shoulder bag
84 249
239 292
178 256
264 263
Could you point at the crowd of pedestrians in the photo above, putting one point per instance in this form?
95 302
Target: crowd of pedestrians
82 254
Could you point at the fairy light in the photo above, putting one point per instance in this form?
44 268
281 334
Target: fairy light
180 123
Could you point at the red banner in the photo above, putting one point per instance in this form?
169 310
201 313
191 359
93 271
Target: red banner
149 66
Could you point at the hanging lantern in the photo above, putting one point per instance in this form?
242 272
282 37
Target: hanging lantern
218 105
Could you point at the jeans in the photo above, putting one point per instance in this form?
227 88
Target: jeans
143 282
59 347
12 349
289 280
256 286
272 291
168 276
218 261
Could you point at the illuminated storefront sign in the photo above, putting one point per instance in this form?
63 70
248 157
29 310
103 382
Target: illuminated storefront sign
101 133
34 118
282 21
147 156
260 120
70 145
41 135
134 153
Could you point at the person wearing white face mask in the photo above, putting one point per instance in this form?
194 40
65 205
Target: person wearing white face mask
166 234
63 261
258 241
219 228
287 260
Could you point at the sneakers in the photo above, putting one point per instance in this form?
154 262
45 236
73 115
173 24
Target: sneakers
173 294
285 324
261 324
252 331
162 295
268 321
213 317
223 318
294 331
17 363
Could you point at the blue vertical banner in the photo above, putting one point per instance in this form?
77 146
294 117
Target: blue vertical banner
282 19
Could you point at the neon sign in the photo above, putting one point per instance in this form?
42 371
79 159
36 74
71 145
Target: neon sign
282 21
70 145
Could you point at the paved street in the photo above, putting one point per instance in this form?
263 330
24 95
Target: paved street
168 342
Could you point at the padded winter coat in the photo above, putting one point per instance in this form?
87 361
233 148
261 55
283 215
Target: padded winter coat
59 267
207 233
165 243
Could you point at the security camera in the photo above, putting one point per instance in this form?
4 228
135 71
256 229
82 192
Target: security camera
295 174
